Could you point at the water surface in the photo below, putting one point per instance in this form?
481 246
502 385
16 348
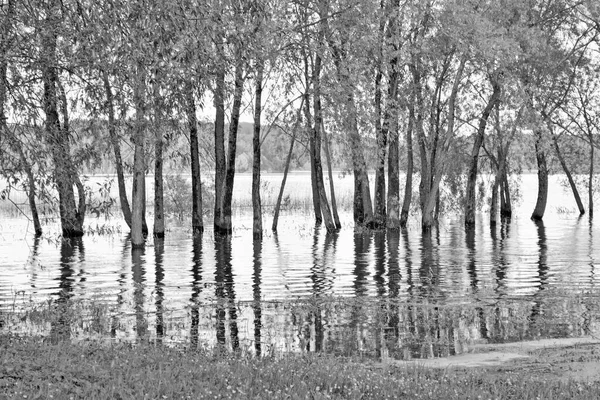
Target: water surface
399 294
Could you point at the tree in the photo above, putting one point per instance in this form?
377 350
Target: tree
57 137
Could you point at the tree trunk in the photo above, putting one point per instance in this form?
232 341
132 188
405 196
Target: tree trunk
390 127
257 231
565 168
224 225
312 148
505 203
409 168
31 190
470 200
363 207
220 161
58 139
362 192
114 140
66 127
197 220
287 167
439 154
159 204
316 132
591 179
380 212
542 197
138 193
159 209
336 217
497 186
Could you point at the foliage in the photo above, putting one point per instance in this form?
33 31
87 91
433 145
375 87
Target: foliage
178 196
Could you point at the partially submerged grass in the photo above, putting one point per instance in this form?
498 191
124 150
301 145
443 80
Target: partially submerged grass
31 368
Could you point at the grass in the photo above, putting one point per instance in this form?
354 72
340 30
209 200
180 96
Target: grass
31 368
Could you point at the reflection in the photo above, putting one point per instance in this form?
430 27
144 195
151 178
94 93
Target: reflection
426 316
474 281
317 276
379 278
60 329
542 269
225 293
82 273
159 251
591 253
500 267
196 289
33 258
362 248
256 294
122 282
430 267
379 238
499 263
393 311
138 264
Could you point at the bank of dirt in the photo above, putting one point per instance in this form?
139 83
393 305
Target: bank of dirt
547 359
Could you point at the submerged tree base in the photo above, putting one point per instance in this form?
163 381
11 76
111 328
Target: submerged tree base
69 233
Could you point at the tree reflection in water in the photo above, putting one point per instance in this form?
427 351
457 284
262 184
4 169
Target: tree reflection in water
542 271
472 271
500 267
60 329
139 272
256 294
225 293
159 290
196 289
394 279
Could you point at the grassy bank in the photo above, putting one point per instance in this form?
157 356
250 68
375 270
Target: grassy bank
30 368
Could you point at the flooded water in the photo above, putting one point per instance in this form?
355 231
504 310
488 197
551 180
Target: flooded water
397 294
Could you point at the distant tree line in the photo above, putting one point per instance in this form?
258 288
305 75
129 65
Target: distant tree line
447 88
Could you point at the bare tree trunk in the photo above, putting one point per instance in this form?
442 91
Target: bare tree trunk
57 138
159 209
542 197
363 207
470 200
505 203
257 231
220 161
31 190
312 145
159 204
363 204
591 179
114 140
66 127
287 167
224 226
438 160
316 132
336 217
380 212
409 167
197 221
565 168
497 187
138 195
